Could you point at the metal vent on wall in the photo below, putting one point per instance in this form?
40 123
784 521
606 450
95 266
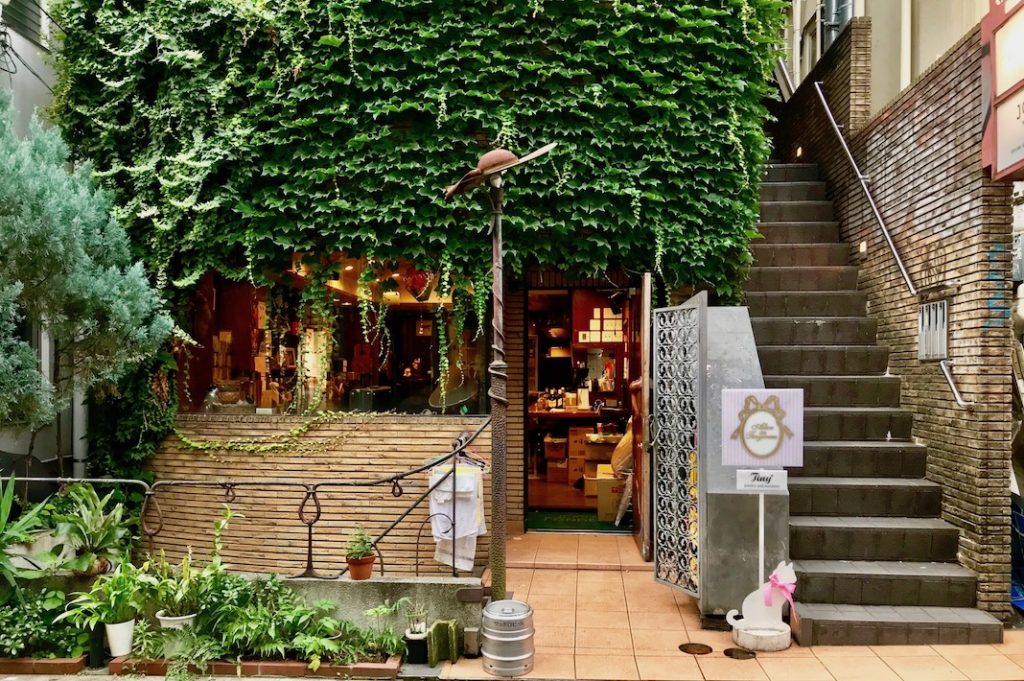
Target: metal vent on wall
933 330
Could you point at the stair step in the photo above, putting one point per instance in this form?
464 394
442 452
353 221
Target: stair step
841 278
862 459
828 360
799 232
857 423
820 624
858 538
807 303
814 331
796 211
793 191
791 172
886 583
896 497
838 391
800 255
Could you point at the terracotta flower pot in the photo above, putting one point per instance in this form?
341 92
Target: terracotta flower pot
361 568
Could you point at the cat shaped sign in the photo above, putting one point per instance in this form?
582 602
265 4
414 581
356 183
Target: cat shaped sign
761 626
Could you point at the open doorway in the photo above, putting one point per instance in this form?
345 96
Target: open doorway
581 358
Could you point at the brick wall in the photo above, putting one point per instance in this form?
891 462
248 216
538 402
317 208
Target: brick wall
951 224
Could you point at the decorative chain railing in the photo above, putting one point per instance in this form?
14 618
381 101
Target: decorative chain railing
310 510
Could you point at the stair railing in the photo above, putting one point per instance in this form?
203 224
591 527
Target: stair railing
863 179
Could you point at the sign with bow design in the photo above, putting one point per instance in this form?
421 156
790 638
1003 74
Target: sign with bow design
763 428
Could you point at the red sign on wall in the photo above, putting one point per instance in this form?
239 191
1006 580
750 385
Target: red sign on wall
1002 41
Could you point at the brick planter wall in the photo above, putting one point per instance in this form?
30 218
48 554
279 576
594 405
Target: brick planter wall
951 224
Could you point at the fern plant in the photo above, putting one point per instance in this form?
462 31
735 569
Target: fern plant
97 532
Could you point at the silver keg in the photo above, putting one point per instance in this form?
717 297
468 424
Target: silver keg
507 638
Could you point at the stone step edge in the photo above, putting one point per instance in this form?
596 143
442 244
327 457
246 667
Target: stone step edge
894 568
894 483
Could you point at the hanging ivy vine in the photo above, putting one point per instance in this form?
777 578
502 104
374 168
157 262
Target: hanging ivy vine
236 132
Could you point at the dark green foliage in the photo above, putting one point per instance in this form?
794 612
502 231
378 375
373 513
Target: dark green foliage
27 628
235 132
128 422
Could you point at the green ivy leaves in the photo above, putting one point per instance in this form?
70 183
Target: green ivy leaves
232 135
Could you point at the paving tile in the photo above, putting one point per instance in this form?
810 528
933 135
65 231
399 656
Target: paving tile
904 651
948 651
792 651
1013 641
727 669
555 637
601 602
612 667
552 602
553 582
603 619
858 669
554 618
594 640
795 669
552 665
665 621
718 640
935 668
652 642
845 651
986 667
668 668
465 668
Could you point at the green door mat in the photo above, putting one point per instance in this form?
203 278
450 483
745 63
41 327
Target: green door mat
564 521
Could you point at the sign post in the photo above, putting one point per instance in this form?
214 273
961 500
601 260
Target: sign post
762 430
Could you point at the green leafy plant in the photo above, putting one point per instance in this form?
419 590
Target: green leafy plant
195 651
15 530
179 591
114 598
95 529
380 638
27 628
360 545
148 641
233 135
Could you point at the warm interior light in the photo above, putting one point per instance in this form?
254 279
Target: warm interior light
799 152
349 268
396 275
863 246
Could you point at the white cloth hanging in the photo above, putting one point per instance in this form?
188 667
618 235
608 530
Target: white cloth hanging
457 548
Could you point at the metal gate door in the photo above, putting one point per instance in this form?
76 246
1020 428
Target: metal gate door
679 370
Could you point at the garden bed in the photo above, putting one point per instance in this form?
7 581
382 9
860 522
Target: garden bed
365 670
30 665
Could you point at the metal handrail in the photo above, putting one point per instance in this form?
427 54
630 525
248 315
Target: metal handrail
864 185
944 364
311 497
782 67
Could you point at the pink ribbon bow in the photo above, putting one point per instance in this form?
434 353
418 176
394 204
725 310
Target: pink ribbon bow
787 589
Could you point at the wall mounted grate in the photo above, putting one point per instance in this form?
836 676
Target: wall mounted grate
933 330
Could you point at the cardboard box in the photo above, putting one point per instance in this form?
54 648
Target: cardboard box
577 468
554 448
599 451
595 473
609 495
578 441
590 486
558 471
590 468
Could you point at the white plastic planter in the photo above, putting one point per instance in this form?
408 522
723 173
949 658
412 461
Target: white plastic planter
174 622
119 638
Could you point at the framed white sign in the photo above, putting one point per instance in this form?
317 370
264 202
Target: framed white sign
762 428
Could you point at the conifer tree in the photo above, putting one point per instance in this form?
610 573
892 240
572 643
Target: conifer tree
64 266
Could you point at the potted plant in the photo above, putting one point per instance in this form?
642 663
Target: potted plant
360 555
416 634
114 601
178 592
13 532
99 538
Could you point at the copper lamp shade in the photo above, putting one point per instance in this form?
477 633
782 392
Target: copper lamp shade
491 163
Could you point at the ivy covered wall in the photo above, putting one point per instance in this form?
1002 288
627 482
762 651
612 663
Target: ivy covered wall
236 132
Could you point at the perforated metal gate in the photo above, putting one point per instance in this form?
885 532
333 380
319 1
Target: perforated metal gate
678 386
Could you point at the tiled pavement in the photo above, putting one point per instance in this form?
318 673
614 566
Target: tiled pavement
600 615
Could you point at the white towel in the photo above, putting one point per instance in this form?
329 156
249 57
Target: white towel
467 485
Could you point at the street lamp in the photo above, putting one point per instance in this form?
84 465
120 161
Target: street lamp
489 169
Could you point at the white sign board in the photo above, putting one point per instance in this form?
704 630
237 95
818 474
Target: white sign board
1010 126
762 481
762 428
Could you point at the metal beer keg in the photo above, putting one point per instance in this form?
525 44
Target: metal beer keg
508 638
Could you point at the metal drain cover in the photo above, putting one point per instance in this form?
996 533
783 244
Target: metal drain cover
740 653
695 648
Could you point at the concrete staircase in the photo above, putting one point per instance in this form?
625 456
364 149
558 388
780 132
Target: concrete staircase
875 562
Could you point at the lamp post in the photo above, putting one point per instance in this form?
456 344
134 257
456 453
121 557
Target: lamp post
490 169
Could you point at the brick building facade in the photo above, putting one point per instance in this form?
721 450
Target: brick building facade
952 226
